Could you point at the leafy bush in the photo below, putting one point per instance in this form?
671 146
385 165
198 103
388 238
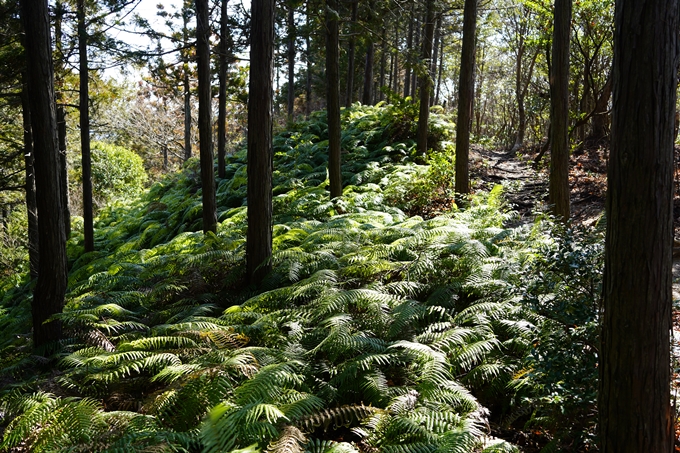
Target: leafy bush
117 172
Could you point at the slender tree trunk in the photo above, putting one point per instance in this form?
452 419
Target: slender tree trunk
426 80
291 61
222 108
204 121
59 12
600 116
333 98
441 70
351 55
367 97
559 111
260 154
409 49
466 88
88 216
48 296
383 63
31 200
308 82
416 50
435 56
187 88
634 398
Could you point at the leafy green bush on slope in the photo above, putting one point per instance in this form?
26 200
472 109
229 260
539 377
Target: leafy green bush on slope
374 332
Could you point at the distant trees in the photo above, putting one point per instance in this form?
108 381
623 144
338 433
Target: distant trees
260 154
634 400
48 297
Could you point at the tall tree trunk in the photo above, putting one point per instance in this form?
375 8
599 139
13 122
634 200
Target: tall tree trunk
31 200
367 97
435 56
59 12
333 98
222 108
260 154
204 121
383 62
88 216
187 86
48 296
559 111
426 80
394 78
308 81
441 71
634 398
416 49
291 61
409 49
466 88
351 55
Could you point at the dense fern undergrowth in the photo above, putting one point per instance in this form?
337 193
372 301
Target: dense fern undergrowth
377 330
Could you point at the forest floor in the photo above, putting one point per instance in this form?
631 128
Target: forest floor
528 193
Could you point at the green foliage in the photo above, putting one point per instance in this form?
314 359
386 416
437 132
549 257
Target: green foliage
117 172
375 331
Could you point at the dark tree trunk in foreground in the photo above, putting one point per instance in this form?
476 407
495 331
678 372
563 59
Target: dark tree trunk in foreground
48 297
333 98
291 61
31 200
260 154
204 122
559 111
222 108
634 398
88 221
426 81
466 88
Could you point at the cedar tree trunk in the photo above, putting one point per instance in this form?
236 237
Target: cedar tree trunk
333 97
466 88
559 111
204 122
634 399
48 296
88 222
260 154
426 81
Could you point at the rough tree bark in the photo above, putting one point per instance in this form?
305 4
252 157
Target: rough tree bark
204 122
84 107
48 296
333 98
260 154
634 398
559 111
466 88
426 80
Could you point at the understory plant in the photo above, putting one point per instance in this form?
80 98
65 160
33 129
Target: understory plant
376 331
